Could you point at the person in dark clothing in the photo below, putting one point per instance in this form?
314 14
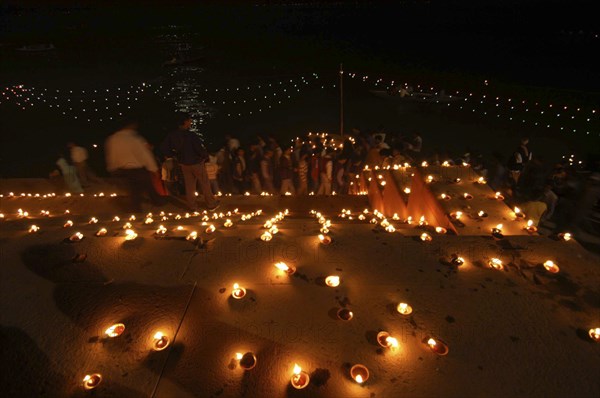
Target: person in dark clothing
192 156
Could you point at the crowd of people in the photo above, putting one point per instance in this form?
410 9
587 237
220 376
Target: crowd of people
322 164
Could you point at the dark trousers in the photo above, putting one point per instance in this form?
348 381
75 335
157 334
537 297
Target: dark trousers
138 182
192 175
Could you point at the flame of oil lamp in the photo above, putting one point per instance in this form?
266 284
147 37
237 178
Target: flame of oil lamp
467 196
273 230
130 234
324 230
404 309
385 223
361 217
93 220
425 237
409 220
228 223
160 341
285 268
76 237
481 180
300 378
92 381
424 164
422 221
437 346
530 227
1 215
127 225
33 229
366 211
497 231
345 314
396 217
192 236
456 180
373 221
518 213
496 263
211 228
499 196
115 330
385 340
161 230
332 281
359 373
268 224
238 292
69 223
595 334
407 190
456 260
266 236
390 228
148 220
445 196
101 232
324 239
565 236
551 267
456 215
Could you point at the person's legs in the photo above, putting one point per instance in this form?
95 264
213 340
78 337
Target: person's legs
190 185
81 173
256 184
199 171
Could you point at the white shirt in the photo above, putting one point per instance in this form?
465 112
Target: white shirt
79 154
126 149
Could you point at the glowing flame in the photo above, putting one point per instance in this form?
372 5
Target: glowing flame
266 236
115 330
282 266
392 342
332 281
239 356
496 263
358 379
432 343
407 190
130 234
297 369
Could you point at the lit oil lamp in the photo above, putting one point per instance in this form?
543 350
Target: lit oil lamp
422 221
210 229
238 292
595 334
266 236
456 180
324 230
390 228
115 330
361 217
161 230
344 314
192 236
228 223
160 341
424 164
247 361
497 232
386 341
385 223
300 378
132 217
116 219
148 220
273 230
406 190
456 260
285 268
68 224
467 196
127 225
518 213
324 239
481 180
93 220
101 232
425 237
530 227
456 215
409 220
359 373
566 236
268 224
404 309
498 196
551 267
33 229
76 237
496 263
440 230
396 217
332 281
437 346
482 214
92 381
445 196
130 234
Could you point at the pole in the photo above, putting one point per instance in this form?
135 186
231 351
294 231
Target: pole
341 100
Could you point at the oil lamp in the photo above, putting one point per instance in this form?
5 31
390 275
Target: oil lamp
456 180
518 213
332 281
266 236
115 330
345 314
595 334
482 214
192 236
247 361
456 260
324 239
68 224
210 229
396 217
300 379
161 230
425 237
384 223
273 230
467 196
92 381
76 237
407 190
228 223
456 215
497 232
160 341
496 263
101 232
440 230
116 218
127 225
551 267
324 230
390 228
530 227
93 220
481 180
33 229
437 346
404 309
130 234
566 236
386 341
359 373
148 220
238 292
498 196
285 268
424 164
422 221
445 196
429 179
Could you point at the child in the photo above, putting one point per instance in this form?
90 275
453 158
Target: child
212 170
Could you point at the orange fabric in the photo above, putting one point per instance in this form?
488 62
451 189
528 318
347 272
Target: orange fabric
422 202
392 198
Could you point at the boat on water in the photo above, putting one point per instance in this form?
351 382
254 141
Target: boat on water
416 97
37 47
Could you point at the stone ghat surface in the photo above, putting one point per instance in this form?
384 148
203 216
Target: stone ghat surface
519 331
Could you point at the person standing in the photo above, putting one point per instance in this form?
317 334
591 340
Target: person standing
192 156
326 173
302 170
266 171
79 156
286 173
128 157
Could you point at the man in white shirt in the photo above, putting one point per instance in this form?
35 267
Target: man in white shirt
128 156
79 156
